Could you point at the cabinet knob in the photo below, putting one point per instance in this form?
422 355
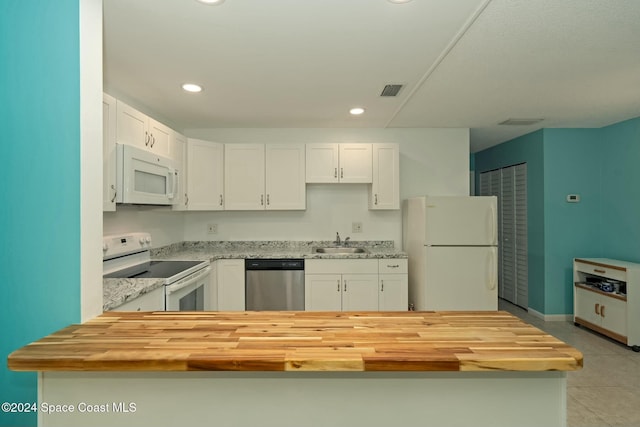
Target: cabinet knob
376 202
602 311
146 138
335 172
341 172
345 286
115 193
338 285
381 285
221 200
597 308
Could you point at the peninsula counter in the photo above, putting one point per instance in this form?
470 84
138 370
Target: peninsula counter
301 368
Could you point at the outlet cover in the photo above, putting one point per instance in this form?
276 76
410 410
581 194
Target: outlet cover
212 228
356 227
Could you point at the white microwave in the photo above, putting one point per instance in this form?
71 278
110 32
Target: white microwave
144 178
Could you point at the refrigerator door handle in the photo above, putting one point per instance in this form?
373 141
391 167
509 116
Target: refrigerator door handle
492 270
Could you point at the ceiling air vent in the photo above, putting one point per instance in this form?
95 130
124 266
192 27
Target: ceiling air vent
391 90
520 122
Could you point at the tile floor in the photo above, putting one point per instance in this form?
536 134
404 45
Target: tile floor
606 392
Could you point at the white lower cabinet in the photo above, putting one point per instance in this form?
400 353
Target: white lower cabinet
355 285
230 284
151 301
393 284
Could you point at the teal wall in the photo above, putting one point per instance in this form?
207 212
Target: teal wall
598 164
525 149
571 166
620 158
40 148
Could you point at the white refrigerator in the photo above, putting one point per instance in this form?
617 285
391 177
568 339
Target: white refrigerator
452 243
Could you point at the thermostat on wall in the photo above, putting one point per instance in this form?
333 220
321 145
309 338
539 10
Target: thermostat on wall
573 198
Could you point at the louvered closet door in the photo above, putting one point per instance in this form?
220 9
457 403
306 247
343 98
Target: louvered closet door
508 241
510 186
522 267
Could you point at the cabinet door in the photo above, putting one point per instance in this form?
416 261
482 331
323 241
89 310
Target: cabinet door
385 189
359 292
587 306
160 138
108 153
178 151
244 176
285 176
613 313
230 274
132 126
205 175
394 290
322 292
356 163
321 163
151 301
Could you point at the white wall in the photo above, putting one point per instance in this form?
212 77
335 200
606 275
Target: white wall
432 161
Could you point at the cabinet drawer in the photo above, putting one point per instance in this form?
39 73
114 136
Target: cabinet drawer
341 266
392 266
610 272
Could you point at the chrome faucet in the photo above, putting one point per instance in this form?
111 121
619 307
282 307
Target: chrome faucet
346 241
337 242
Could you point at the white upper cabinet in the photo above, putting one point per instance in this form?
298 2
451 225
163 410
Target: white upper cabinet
264 177
138 129
285 177
349 163
355 163
205 176
244 179
108 153
322 163
385 188
178 149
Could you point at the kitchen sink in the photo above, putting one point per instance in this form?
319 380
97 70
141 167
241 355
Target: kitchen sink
340 250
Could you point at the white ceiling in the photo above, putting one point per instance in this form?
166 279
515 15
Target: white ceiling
304 63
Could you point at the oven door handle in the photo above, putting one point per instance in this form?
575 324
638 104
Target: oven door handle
187 281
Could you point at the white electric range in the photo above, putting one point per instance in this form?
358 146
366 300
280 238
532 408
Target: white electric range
186 283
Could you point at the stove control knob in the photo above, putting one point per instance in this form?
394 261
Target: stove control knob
141 241
148 239
105 247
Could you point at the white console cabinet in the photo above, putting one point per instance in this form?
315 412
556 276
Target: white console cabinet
616 313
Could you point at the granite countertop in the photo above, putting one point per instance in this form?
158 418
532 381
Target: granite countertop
272 249
118 291
299 341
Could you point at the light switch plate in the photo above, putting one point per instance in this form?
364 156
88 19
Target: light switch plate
212 228
356 227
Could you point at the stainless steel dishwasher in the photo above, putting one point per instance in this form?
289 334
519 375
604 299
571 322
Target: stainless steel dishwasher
274 284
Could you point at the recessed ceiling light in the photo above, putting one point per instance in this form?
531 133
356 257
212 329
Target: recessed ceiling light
211 2
191 87
399 1
356 111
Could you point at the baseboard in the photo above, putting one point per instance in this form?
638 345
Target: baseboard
551 317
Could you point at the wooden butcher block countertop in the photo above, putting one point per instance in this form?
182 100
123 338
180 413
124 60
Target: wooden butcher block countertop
299 341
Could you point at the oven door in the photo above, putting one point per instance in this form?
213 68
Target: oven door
190 293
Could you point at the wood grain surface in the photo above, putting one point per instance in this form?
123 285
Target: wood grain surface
298 341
